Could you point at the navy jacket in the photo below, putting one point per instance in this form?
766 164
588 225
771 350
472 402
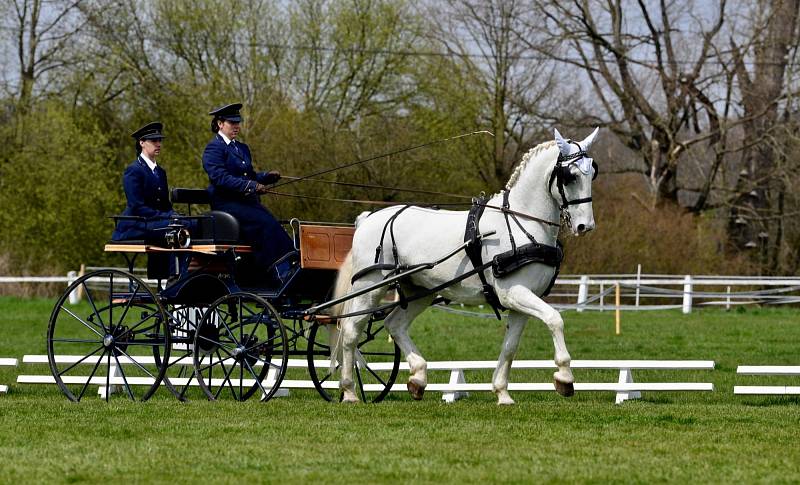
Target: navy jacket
233 190
230 171
148 196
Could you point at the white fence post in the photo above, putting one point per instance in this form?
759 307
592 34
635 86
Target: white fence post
602 296
74 297
456 377
687 294
728 299
583 292
626 377
638 282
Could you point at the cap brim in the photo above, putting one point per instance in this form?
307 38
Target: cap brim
235 119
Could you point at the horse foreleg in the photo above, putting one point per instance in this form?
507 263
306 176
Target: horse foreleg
523 300
398 323
516 324
350 330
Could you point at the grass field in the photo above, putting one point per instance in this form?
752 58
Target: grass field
674 437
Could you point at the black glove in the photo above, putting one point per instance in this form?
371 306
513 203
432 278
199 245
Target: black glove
271 177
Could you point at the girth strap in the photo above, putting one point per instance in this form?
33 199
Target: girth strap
510 261
473 251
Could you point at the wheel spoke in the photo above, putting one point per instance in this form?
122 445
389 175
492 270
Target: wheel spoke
86 384
258 323
130 331
94 307
76 317
230 333
267 362
76 341
230 355
227 378
241 324
81 360
241 378
186 387
258 381
327 376
376 376
136 363
141 343
270 339
217 344
360 384
110 309
124 379
108 376
127 305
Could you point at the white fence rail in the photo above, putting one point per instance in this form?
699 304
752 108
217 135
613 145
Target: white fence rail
768 370
4 362
625 387
599 292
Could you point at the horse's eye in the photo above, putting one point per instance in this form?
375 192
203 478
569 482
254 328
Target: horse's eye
567 177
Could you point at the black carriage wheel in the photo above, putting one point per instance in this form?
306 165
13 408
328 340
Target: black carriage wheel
108 339
179 374
239 343
378 363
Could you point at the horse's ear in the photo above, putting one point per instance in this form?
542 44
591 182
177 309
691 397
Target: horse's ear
563 145
587 142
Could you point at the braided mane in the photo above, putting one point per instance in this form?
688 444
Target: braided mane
525 158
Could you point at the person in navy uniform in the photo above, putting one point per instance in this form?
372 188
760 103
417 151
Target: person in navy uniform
145 184
235 187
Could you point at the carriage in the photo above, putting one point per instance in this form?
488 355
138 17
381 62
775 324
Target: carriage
209 328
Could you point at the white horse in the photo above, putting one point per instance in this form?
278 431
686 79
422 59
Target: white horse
553 177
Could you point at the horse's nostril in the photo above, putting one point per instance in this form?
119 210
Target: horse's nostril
581 227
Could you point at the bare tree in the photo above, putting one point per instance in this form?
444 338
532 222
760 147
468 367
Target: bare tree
654 70
761 61
490 39
41 32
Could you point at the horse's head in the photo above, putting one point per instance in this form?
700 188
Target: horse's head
570 183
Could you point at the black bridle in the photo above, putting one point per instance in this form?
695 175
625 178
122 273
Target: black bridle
562 175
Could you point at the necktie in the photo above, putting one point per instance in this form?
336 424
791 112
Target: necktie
235 148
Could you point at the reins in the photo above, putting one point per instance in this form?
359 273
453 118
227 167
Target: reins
558 176
417 204
383 155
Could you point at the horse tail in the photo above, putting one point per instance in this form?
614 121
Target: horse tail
340 288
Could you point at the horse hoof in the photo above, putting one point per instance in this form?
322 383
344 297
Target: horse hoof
348 398
566 389
415 389
505 401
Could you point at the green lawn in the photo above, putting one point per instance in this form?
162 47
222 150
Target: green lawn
676 437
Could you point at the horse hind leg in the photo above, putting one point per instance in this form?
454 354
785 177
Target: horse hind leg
350 331
525 301
516 324
398 323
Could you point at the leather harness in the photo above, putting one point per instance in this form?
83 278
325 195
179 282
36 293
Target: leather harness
504 263
512 260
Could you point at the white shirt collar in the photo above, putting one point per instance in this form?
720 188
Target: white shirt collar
150 163
224 138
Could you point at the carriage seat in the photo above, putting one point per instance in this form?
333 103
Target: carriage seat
216 227
190 196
